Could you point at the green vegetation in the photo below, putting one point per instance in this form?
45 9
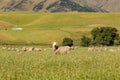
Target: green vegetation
44 28
106 36
85 41
77 65
67 42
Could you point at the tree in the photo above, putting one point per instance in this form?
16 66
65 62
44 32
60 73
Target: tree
104 36
117 41
85 41
67 42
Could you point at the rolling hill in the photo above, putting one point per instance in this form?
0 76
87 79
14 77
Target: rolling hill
44 28
61 5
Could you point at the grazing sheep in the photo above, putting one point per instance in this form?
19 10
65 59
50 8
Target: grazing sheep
16 49
112 50
8 49
4 48
105 49
13 49
62 49
37 49
24 49
30 49
96 49
44 49
90 48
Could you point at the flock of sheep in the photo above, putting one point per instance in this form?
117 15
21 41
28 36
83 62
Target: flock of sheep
58 49
103 49
25 49
67 49
55 47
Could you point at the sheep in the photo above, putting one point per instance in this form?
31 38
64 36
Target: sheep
96 49
112 50
16 49
62 49
30 49
8 49
90 48
24 49
4 48
37 49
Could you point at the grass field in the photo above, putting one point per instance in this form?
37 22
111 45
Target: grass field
79 64
44 28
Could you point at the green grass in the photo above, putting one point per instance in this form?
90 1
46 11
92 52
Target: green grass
77 65
44 28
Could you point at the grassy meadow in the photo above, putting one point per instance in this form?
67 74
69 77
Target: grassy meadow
79 64
44 28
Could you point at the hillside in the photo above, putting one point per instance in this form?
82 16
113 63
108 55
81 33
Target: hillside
61 5
44 28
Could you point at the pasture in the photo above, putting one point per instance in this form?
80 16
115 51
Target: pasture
79 64
44 28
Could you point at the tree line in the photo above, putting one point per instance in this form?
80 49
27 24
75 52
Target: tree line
100 36
105 36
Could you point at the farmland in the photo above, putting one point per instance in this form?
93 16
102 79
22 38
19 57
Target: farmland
44 28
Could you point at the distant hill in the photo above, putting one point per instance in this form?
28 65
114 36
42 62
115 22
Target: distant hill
61 5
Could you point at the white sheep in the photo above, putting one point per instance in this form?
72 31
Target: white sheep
24 49
37 49
30 49
62 49
90 48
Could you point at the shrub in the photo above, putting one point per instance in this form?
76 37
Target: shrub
85 41
104 36
117 41
67 42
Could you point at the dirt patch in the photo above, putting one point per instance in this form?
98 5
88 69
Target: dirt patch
5 37
5 25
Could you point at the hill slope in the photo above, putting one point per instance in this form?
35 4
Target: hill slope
44 28
61 5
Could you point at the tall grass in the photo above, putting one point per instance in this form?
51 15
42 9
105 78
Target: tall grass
77 65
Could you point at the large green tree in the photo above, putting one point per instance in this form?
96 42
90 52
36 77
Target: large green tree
104 36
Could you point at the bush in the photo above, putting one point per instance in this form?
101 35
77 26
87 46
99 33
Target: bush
117 41
104 36
67 42
85 41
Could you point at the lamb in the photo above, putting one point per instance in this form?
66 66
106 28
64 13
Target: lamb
62 49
